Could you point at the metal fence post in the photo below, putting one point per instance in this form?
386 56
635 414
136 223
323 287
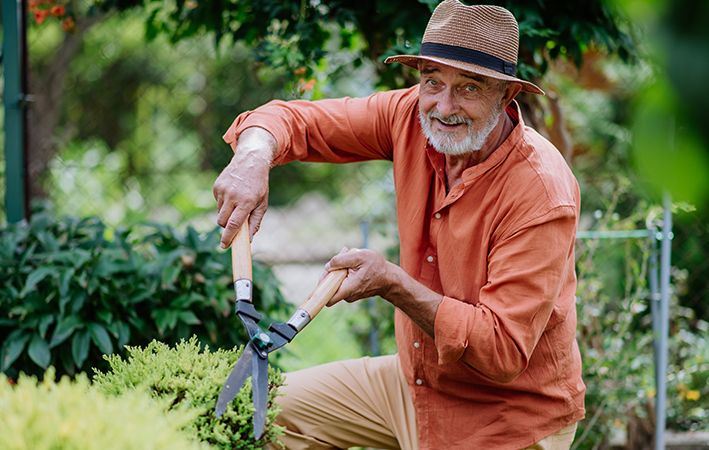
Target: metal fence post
665 264
655 300
13 19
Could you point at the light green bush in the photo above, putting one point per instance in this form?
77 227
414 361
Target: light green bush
70 415
186 377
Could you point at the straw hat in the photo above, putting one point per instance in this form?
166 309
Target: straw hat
482 39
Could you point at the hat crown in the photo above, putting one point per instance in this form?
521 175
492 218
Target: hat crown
484 28
481 39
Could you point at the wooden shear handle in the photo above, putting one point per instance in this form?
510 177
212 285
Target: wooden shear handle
241 254
323 292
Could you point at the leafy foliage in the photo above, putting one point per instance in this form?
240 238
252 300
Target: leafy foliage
184 377
73 290
293 34
72 415
563 29
670 112
615 348
615 333
688 379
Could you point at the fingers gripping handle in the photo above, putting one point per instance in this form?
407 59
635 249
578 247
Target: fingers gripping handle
241 263
318 299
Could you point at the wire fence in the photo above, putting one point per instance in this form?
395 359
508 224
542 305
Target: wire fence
135 135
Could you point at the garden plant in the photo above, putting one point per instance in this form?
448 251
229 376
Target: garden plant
73 290
160 397
71 415
186 377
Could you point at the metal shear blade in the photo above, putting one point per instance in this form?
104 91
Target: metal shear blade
254 362
235 381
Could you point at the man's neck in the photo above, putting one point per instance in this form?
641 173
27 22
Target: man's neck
457 164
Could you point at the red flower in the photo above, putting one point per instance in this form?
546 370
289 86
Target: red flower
68 24
309 86
40 15
58 11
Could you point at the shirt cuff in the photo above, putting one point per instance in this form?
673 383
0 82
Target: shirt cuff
244 121
451 329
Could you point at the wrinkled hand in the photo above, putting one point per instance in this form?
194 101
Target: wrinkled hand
241 190
368 274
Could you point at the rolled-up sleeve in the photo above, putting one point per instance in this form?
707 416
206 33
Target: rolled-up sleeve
526 272
332 130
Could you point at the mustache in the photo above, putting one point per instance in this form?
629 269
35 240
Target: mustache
453 119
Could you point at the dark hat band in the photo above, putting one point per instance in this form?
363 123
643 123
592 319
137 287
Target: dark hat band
468 55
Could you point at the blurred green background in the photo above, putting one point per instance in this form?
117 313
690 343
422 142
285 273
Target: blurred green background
131 99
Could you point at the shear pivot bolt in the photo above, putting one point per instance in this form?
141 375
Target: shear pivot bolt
262 340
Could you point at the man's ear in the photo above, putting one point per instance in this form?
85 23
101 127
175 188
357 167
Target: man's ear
511 92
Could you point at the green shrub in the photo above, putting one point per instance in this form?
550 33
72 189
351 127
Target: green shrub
185 377
616 339
688 371
73 416
614 335
73 290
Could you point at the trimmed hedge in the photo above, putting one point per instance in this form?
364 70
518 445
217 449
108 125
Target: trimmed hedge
70 415
184 377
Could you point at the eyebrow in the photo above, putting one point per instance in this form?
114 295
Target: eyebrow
428 70
476 77
471 76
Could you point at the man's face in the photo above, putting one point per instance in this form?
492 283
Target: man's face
458 110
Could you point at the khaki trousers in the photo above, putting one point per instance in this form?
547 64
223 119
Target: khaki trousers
360 403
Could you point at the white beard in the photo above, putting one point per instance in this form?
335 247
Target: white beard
443 142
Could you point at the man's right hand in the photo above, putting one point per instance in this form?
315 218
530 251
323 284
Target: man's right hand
241 190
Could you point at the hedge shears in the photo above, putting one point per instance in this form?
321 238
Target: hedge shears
254 358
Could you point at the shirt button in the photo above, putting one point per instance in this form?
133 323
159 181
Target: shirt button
437 215
429 259
416 344
419 382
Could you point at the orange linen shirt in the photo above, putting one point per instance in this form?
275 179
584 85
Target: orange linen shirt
504 370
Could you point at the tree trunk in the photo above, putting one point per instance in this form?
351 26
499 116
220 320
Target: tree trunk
641 428
43 117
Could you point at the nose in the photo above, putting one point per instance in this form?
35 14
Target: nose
446 103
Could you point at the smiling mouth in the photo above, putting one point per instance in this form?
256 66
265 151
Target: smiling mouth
450 126
452 123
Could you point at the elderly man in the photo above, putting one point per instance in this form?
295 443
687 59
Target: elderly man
487 214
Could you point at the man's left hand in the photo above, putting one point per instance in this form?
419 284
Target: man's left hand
368 275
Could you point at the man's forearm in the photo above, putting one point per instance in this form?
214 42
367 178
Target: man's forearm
413 299
256 143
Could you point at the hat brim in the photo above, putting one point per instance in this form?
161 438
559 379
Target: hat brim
413 60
